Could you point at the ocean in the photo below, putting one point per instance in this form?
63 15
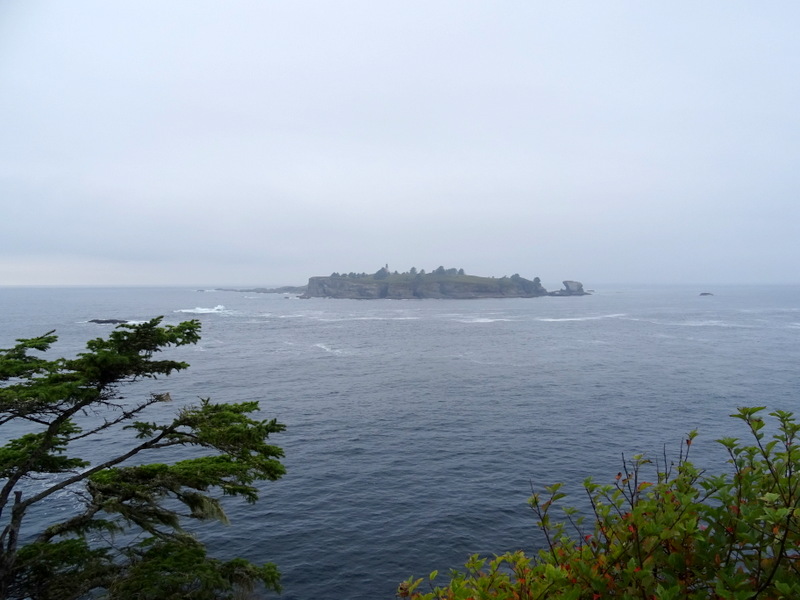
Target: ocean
416 429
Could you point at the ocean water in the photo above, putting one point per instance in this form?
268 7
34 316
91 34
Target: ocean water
417 429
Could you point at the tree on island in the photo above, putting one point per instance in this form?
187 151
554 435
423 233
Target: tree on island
123 536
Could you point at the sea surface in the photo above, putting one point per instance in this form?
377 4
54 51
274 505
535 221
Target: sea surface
416 429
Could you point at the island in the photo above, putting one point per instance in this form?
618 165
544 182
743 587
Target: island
439 283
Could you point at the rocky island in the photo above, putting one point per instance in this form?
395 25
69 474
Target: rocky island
440 283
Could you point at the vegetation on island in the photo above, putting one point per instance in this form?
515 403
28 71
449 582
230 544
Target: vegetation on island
383 273
439 274
440 283
661 531
80 524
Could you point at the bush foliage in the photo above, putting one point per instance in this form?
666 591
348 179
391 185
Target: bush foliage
678 534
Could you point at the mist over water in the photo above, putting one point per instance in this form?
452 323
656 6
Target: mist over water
416 428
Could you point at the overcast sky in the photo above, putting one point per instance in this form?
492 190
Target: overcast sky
258 143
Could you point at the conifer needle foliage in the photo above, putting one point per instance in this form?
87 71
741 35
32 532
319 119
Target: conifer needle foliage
124 533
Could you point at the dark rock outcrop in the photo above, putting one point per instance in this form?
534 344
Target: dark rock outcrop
108 321
571 288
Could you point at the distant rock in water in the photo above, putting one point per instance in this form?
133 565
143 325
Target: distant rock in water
108 321
571 288
706 294
440 283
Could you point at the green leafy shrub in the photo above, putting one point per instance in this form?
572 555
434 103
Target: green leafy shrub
678 534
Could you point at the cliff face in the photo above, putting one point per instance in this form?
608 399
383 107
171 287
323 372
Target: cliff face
401 287
341 287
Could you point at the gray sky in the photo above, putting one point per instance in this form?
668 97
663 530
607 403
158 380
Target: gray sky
258 143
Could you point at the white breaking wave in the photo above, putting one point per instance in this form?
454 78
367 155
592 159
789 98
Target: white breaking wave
595 318
709 323
353 318
199 310
481 320
327 349
699 323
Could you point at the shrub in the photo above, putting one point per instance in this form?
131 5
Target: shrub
679 534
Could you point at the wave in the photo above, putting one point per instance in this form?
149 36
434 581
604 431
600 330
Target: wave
328 349
338 319
707 323
710 323
326 318
482 320
594 318
697 323
199 310
757 311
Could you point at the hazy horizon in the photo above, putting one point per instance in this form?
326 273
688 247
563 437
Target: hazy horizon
248 144
590 285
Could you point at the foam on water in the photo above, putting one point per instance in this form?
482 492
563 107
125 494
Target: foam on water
482 320
695 323
199 310
328 349
588 318
367 318
709 323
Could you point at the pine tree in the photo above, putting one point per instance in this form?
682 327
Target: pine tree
125 537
